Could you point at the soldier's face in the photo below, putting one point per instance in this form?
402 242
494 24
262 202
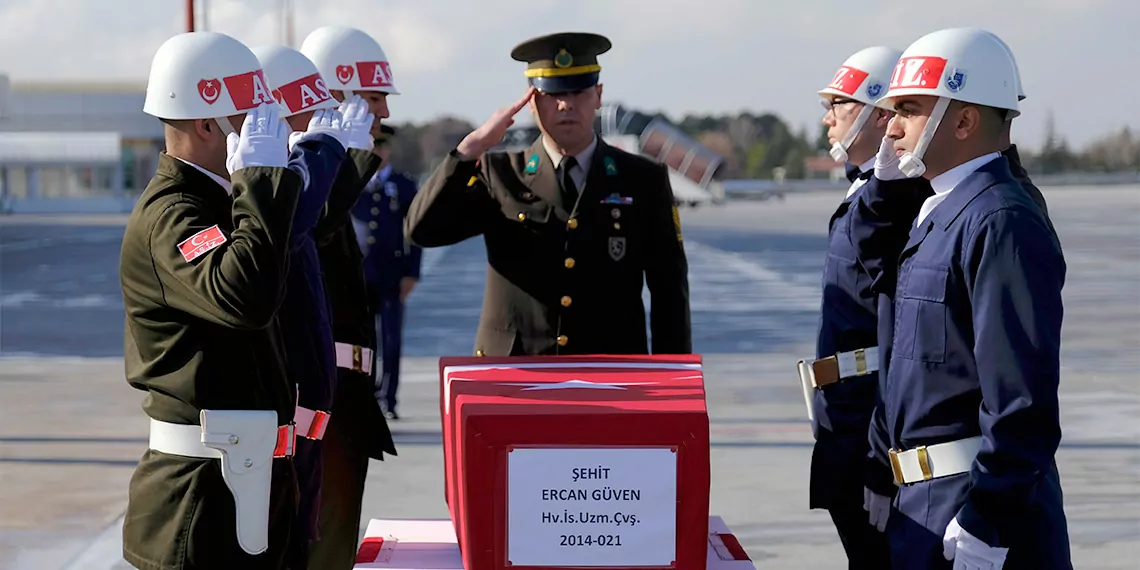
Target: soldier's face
568 117
840 117
912 113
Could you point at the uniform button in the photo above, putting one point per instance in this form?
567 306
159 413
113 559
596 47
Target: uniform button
562 340
397 253
375 197
371 240
478 353
566 300
522 216
569 262
373 225
572 223
375 211
617 226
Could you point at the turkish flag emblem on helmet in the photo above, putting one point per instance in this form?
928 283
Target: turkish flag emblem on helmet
210 90
344 73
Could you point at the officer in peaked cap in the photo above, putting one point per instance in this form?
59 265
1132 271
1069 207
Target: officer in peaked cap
573 226
562 63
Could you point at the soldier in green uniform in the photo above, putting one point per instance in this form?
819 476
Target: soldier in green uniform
353 65
573 227
202 271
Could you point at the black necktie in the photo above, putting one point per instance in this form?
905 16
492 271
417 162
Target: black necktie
852 172
569 190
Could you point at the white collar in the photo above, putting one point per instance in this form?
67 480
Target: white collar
225 184
583 157
947 181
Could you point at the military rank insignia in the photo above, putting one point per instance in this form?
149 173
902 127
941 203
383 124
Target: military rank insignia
611 168
532 164
677 222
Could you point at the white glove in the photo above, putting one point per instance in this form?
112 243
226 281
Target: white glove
357 123
324 122
968 552
264 140
879 508
887 162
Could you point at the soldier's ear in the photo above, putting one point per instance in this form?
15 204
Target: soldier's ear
598 91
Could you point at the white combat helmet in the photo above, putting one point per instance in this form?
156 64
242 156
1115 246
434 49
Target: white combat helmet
864 78
294 79
204 75
957 64
349 59
1020 89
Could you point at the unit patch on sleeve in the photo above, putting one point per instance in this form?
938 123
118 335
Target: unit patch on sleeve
200 243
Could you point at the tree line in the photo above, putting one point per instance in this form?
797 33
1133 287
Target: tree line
754 145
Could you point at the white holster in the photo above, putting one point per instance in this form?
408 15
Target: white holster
804 369
246 439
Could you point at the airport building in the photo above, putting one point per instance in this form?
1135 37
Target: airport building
74 147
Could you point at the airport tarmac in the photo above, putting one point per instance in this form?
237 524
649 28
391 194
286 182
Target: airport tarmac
72 429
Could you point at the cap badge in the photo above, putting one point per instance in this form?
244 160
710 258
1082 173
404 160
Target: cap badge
563 59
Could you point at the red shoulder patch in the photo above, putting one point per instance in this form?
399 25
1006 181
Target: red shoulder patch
200 243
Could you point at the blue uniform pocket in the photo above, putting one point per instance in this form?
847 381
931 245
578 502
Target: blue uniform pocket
920 317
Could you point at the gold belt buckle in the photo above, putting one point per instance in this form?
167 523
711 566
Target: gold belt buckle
896 468
357 358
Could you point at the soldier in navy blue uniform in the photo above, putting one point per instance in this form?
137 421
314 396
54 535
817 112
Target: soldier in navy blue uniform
311 112
969 421
841 382
357 429
391 266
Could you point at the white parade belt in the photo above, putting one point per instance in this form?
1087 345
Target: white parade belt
927 462
353 357
830 370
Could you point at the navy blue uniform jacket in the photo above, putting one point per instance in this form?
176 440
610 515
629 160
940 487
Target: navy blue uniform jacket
382 207
847 322
304 314
867 232
976 341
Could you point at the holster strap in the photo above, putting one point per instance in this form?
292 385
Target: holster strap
927 462
311 424
354 357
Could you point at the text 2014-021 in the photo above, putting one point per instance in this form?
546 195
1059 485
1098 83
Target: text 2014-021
590 540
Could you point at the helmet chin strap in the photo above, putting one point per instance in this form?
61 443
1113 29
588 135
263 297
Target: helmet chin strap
224 124
910 164
839 150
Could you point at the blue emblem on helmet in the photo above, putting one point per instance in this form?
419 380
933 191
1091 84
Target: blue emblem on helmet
955 80
874 89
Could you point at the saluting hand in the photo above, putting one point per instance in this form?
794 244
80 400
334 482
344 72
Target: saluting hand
357 123
264 140
491 132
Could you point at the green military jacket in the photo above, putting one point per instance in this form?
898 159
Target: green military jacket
202 276
564 278
355 410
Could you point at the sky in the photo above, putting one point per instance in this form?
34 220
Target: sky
452 57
